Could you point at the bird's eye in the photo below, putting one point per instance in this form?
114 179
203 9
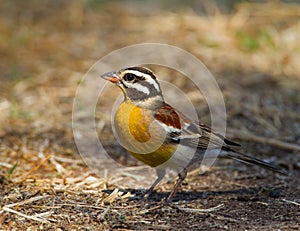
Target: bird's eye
129 77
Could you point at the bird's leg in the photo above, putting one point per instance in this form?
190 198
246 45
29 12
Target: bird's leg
181 177
160 175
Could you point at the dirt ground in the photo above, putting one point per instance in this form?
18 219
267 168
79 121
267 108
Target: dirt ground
46 48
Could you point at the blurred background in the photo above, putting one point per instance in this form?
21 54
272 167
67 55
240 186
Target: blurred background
251 47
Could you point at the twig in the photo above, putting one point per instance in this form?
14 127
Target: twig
111 197
30 200
135 168
247 136
159 227
59 168
67 160
80 205
133 176
153 208
102 216
262 203
127 195
292 202
6 165
23 177
190 210
33 217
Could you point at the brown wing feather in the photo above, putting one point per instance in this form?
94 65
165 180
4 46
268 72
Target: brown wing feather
168 116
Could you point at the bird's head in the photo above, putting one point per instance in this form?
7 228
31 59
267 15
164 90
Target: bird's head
139 85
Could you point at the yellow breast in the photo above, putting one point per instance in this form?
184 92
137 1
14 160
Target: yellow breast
144 138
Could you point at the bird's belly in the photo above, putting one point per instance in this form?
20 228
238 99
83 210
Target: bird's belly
143 138
156 158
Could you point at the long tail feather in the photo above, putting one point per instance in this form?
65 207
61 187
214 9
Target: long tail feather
252 160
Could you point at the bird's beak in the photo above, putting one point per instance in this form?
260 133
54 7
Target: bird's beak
111 76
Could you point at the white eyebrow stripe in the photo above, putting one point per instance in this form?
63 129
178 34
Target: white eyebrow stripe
140 87
154 83
137 73
148 78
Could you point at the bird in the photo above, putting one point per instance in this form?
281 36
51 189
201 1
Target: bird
161 136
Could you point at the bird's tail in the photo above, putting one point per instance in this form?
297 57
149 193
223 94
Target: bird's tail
252 160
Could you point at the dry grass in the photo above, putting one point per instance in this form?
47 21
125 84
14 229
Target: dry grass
47 47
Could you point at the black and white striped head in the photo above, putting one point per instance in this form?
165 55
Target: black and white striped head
139 84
